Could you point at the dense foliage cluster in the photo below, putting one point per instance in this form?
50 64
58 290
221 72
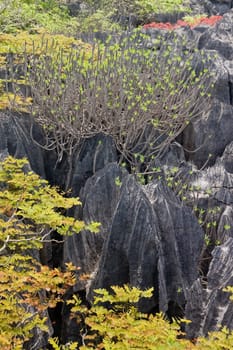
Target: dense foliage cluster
142 98
12 48
31 15
28 215
114 323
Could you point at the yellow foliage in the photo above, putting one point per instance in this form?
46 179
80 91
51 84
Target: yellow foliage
41 43
2 60
28 196
38 43
12 101
29 210
121 326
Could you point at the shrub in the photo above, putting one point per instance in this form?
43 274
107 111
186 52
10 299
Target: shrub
119 14
33 14
143 98
140 8
122 326
99 21
28 214
12 47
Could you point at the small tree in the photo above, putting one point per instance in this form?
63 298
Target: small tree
28 213
143 97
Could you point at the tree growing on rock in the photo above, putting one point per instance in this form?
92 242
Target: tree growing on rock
28 214
141 93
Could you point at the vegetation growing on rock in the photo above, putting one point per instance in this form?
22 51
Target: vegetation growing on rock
142 98
29 212
125 90
52 15
115 15
114 322
188 21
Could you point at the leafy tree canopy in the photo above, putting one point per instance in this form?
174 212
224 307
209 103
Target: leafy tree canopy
29 211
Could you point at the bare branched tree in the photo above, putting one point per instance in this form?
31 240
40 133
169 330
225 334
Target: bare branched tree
142 97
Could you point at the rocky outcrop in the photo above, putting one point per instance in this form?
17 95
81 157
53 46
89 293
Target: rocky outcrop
211 7
209 307
99 198
150 235
21 137
142 240
211 191
94 154
217 309
206 137
15 140
150 238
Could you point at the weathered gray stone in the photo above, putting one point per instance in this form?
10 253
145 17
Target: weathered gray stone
15 140
99 199
218 308
208 135
211 7
173 156
219 37
227 158
148 238
194 309
206 138
210 307
207 305
94 154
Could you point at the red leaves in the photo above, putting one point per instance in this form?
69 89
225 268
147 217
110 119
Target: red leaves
159 25
210 21
180 23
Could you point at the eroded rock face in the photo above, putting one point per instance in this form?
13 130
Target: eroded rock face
219 6
211 7
99 198
148 238
210 190
219 37
218 309
15 140
21 137
209 307
94 154
208 135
